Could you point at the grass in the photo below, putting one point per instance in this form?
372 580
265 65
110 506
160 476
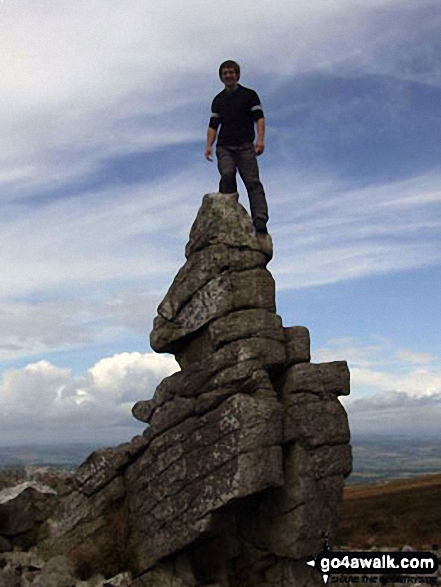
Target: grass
392 514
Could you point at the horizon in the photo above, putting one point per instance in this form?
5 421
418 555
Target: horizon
102 174
375 459
354 439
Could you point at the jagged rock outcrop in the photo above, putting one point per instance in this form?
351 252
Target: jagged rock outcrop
241 469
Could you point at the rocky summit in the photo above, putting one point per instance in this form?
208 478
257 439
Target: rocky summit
239 473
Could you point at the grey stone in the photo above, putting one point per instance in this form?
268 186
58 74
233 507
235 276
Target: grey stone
318 378
245 324
59 564
266 245
201 268
197 347
295 515
297 345
225 272
105 464
335 377
237 367
315 421
25 506
142 410
221 219
54 580
225 293
332 460
80 519
200 466
120 580
19 568
172 413
56 572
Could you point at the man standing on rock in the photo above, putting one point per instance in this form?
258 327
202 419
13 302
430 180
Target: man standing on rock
236 109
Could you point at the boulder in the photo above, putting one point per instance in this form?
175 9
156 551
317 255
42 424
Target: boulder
25 506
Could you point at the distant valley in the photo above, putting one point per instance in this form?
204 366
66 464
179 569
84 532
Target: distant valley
376 458
381 458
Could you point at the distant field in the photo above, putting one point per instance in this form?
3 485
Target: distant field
375 458
394 513
65 456
380 458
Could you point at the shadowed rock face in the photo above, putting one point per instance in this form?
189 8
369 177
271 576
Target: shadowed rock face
241 468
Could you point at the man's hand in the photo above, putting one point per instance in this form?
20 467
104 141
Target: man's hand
208 153
259 148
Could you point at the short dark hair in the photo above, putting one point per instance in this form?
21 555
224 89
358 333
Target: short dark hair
229 63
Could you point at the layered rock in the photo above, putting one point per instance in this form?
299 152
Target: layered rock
241 469
249 443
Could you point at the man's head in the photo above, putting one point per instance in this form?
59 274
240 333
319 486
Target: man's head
229 73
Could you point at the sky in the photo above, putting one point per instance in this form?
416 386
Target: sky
104 109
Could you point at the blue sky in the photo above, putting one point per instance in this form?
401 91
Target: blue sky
105 108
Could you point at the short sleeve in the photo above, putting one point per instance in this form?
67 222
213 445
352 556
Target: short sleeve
215 117
255 106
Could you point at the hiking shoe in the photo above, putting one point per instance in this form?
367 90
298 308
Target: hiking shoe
260 226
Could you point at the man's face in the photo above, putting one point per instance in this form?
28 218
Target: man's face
229 77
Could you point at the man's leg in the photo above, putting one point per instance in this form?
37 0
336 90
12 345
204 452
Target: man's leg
227 169
249 172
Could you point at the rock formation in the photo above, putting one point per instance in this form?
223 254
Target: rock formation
241 469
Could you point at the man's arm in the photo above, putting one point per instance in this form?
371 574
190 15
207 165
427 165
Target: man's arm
213 125
258 117
260 142
211 137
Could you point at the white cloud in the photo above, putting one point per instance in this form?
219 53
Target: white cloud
413 381
44 403
128 375
393 390
395 412
378 368
393 400
33 389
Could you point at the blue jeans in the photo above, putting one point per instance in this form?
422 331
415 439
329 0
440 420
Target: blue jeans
242 158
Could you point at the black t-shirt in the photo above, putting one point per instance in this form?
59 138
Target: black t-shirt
236 112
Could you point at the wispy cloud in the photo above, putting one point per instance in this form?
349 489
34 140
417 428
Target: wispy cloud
114 234
44 326
393 390
84 82
337 233
68 265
